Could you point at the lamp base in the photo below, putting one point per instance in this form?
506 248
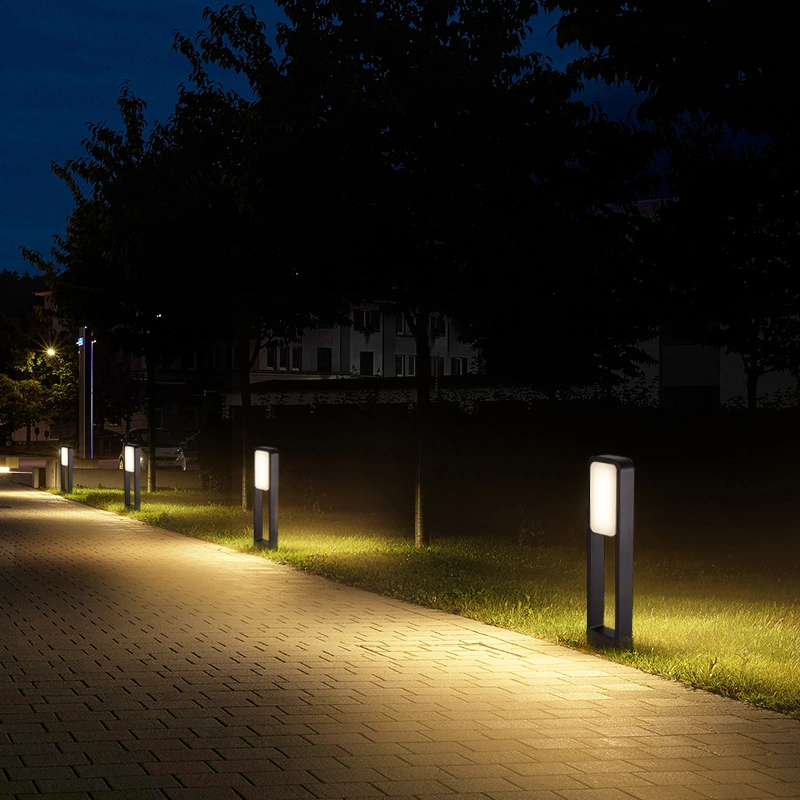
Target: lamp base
601 636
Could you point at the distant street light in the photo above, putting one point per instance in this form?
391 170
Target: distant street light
266 480
610 516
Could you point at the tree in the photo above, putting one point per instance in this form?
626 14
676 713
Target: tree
421 143
48 384
730 60
162 210
116 268
739 286
715 79
21 330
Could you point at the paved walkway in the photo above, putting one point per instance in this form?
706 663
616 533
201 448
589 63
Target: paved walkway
142 664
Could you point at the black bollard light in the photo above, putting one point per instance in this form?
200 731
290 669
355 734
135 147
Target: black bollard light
66 469
266 480
132 463
610 515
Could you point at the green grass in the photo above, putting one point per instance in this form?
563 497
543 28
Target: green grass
724 624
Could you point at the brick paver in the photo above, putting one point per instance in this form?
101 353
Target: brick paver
137 663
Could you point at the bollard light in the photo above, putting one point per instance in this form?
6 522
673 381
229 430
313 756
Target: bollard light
266 480
132 463
610 516
66 469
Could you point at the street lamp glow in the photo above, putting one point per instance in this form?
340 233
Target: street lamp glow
50 351
65 456
603 498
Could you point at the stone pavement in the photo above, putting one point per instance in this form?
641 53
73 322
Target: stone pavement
137 663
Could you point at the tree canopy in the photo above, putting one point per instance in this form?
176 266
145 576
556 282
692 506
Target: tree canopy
715 80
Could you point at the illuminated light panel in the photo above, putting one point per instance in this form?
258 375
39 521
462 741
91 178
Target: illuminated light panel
130 458
64 456
5 469
603 498
262 470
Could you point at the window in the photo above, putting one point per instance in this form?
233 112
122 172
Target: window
367 321
402 325
438 325
272 357
324 359
366 362
437 366
399 365
297 358
412 365
458 366
284 357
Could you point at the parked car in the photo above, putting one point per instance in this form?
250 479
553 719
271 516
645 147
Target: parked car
168 453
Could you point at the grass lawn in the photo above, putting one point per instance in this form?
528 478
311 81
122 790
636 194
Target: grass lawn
727 623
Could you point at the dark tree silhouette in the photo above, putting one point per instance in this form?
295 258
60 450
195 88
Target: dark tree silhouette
732 254
420 144
727 58
716 80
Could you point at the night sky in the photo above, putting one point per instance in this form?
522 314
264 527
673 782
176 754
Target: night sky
62 65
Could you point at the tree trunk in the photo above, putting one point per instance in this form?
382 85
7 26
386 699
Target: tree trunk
242 312
245 445
752 390
151 423
421 336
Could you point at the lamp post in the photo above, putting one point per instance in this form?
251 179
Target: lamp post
266 480
85 393
132 462
66 469
610 516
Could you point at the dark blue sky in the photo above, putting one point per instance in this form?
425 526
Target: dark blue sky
62 64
